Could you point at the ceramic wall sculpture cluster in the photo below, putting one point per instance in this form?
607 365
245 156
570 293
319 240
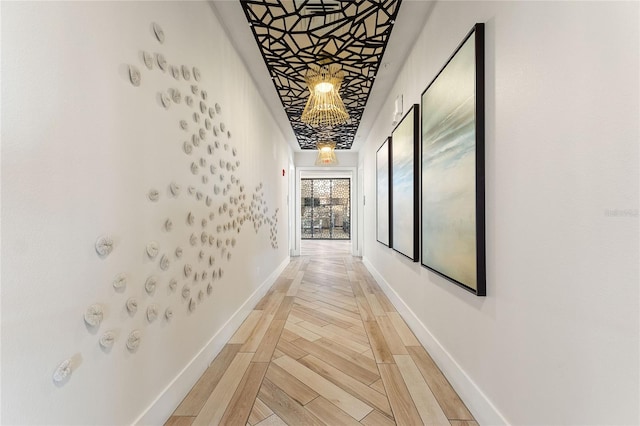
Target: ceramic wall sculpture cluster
214 202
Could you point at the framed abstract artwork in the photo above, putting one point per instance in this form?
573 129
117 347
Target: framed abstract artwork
405 169
453 218
383 193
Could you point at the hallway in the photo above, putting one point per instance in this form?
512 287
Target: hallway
324 346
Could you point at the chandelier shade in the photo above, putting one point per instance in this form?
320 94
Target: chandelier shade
326 154
324 107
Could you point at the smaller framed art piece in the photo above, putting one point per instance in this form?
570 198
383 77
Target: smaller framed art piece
453 229
405 167
383 193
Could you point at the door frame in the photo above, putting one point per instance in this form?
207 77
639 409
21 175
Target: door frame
327 173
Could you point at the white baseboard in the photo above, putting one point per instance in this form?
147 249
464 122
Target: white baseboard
163 406
476 401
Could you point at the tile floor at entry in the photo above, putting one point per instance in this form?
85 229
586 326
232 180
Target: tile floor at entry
323 347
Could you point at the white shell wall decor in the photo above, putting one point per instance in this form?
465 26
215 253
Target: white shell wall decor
150 284
93 315
215 243
165 100
147 58
132 305
120 282
161 61
134 75
152 249
104 245
63 371
164 262
157 30
133 340
175 72
173 284
153 195
152 313
186 292
186 73
107 339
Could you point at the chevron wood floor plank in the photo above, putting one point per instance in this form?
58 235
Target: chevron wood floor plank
375 418
217 403
354 369
338 396
293 387
447 397
396 346
241 404
404 409
324 346
290 411
195 399
428 408
179 421
345 381
272 420
259 412
329 413
247 327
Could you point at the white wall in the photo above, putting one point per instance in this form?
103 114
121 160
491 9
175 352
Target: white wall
308 158
556 339
81 148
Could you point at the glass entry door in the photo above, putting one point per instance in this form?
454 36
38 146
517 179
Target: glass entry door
326 209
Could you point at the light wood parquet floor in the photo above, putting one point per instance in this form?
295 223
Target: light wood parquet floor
323 347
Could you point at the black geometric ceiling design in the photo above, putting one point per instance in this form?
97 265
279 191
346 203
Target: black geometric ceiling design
294 34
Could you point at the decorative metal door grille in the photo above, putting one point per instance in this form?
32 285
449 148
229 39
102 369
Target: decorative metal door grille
326 209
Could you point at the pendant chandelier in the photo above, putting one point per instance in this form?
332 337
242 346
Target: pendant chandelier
326 153
324 106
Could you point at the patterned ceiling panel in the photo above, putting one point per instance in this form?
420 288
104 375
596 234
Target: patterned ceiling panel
293 34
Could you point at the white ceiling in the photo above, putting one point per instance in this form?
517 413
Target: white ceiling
410 21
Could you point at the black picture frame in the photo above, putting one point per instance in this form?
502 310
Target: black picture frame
453 180
384 194
405 172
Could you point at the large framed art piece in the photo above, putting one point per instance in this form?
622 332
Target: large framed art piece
405 168
453 229
383 193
